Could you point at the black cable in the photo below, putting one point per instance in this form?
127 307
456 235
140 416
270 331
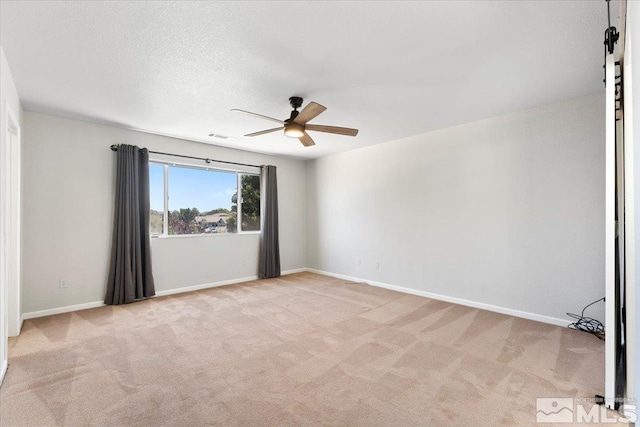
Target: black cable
587 324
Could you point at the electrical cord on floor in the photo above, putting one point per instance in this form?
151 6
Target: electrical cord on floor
587 324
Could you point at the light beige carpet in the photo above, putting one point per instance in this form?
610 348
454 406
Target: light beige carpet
303 349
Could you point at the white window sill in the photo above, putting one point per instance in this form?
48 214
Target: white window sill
206 235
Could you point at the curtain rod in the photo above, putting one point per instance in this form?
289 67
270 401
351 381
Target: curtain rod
114 147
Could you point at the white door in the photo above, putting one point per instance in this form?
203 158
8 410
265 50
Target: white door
610 233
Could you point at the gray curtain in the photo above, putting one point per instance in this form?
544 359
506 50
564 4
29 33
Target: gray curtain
269 264
130 276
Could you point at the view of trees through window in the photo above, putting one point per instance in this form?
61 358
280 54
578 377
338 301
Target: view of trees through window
250 209
202 201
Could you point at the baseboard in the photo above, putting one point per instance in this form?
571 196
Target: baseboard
205 286
338 276
60 310
3 370
221 283
19 326
294 271
454 300
77 307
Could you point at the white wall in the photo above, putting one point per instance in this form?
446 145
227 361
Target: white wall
9 211
68 191
507 211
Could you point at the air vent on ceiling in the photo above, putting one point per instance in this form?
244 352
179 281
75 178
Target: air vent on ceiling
219 136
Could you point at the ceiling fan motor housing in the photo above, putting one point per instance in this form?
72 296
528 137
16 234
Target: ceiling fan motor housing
296 102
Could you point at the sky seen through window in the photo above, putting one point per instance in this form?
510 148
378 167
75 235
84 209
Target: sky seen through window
191 188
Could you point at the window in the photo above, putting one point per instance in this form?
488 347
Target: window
192 200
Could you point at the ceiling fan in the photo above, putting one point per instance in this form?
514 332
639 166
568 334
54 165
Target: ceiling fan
297 125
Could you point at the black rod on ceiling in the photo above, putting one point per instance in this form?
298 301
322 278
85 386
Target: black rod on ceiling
114 147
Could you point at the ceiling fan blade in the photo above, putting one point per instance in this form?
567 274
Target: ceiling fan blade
235 110
309 112
262 132
306 140
332 129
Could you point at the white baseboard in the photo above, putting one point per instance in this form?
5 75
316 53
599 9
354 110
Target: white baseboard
454 300
221 283
3 370
205 286
294 271
59 310
13 333
77 307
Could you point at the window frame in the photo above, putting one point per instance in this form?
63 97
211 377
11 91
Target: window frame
165 215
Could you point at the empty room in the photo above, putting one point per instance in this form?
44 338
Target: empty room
353 213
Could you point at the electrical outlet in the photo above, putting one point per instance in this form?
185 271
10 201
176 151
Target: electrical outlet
244 262
62 284
358 262
377 265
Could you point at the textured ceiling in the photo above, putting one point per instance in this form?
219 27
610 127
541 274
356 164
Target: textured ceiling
390 69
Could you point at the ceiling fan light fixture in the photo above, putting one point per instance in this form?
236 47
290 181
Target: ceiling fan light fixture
293 130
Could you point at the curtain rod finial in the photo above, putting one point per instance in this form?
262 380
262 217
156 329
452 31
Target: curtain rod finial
114 147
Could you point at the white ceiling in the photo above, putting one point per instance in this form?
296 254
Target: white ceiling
390 69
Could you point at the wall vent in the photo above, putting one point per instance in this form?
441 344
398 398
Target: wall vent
219 136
